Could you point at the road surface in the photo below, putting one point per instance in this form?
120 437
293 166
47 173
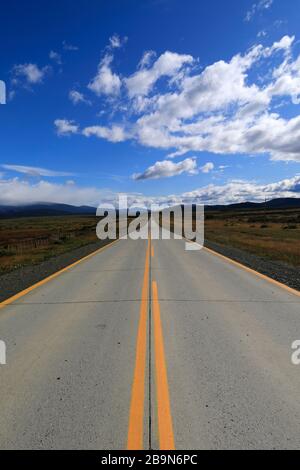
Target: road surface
145 345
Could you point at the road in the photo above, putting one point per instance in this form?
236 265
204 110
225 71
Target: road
145 345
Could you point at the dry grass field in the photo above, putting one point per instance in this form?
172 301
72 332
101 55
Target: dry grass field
30 240
271 234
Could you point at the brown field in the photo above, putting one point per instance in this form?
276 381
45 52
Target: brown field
274 235
271 234
30 240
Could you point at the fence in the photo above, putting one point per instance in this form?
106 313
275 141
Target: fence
30 244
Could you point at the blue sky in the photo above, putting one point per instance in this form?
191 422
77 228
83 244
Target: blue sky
154 98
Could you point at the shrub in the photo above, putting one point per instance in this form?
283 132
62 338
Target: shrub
4 252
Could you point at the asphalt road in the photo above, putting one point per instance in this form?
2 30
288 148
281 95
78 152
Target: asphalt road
145 345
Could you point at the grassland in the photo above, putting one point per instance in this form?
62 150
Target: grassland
270 234
27 241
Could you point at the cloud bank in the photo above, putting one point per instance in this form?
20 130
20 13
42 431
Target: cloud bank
15 191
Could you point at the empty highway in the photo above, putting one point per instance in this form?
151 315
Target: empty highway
146 345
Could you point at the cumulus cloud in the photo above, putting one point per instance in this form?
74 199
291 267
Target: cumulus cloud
65 127
77 97
113 134
167 169
168 64
146 59
229 107
105 82
31 73
219 111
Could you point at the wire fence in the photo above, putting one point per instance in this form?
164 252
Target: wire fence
30 244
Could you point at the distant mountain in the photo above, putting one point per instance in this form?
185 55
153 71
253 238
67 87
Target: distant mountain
281 203
284 202
51 209
45 209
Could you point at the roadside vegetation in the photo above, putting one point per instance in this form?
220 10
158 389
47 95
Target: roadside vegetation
270 234
31 240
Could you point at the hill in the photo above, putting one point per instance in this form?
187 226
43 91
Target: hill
45 209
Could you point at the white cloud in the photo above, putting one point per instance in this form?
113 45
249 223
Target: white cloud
77 97
257 8
239 119
287 81
31 73
229 107
207 168
56 57
168 64
113 134
35 171
285 43
241 191
65 127
146 59
115 41
167 169
15 191
105 82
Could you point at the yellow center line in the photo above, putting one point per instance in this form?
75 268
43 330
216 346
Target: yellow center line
165 426
136 414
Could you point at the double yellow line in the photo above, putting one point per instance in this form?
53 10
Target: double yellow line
136 416
165 426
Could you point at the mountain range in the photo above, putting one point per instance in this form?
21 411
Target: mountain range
52 209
